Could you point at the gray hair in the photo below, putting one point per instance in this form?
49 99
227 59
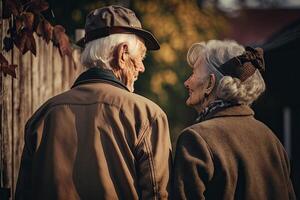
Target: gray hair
213 54
99 52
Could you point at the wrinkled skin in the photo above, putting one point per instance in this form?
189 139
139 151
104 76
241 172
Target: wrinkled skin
128 67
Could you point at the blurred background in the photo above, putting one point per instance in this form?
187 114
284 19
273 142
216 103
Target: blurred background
271 24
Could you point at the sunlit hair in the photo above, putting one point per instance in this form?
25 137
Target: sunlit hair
213 54
99 52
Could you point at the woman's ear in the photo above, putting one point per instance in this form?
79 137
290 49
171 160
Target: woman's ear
211 84
122 55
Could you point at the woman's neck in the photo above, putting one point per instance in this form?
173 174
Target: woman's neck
205 102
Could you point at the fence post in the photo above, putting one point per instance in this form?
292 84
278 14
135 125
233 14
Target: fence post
4 192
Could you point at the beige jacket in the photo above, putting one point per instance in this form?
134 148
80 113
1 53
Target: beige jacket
230 156
96 141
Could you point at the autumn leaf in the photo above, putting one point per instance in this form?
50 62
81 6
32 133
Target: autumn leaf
45 30
37 6
62 40
10 7
3 60
7 68
59 28
25 41
8 43
28 19
18 23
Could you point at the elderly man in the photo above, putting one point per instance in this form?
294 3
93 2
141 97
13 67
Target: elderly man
99 140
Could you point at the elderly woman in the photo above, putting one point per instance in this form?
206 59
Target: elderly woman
227 153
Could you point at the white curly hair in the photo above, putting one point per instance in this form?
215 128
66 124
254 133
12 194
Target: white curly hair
213 54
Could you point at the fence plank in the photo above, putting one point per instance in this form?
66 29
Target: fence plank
77 66
16 112
35 75
7 129
48 76
72 71
42 85
65 77
57 66
7 120
23 93
38 79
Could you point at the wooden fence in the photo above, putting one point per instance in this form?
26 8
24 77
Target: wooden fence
38 78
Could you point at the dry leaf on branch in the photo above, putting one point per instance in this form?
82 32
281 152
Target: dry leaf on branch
25 41
8 43
7 68
18 23
28 19
45 30
62 40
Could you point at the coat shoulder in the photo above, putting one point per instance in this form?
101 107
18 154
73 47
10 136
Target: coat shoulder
99 93
236 130
132 103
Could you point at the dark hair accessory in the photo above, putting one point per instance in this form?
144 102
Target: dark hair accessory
243 66
255 56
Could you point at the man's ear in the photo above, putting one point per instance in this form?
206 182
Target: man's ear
122 55
211 83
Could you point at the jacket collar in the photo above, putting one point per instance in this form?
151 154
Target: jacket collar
238 110
95 75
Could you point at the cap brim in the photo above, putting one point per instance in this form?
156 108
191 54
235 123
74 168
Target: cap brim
150 41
